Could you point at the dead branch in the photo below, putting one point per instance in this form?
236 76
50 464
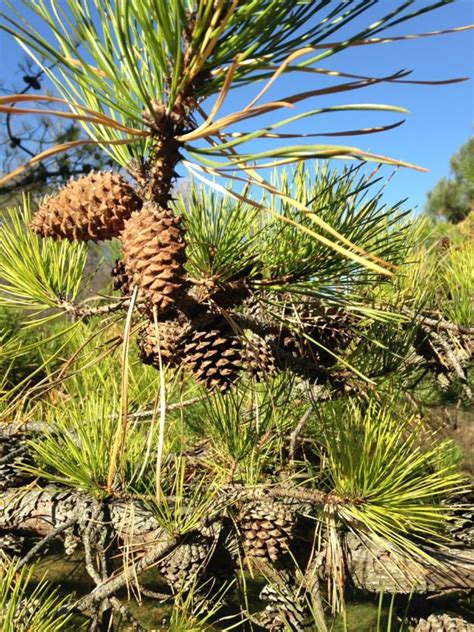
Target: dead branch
47 538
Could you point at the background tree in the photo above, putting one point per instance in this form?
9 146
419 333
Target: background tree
21 140
452 198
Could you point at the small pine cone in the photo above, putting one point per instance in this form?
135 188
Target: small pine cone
230 295
234 290
331 328
443 623
258 358
167 341
187 562
267 527
120 278
93 208
254 307
285 610
213 355
316 334
154 255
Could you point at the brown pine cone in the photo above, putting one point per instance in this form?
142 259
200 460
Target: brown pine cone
267 527
213 354
258 358
93 208
154 255
317 333
187 562
167 342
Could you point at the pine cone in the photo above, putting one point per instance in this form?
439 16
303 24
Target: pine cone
168 342
154 253
267 527
443 623
213 355
258 358
254 307
312 327
93 208
331 328
286 607
230 295
187 562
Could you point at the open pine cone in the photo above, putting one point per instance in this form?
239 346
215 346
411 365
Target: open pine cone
154 254
267 527
258 357
182 567
286 607
167 342
213 354
93 208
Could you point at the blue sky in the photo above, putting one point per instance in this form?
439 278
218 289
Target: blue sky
441 117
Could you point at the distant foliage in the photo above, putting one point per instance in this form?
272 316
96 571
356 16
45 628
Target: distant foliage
453 198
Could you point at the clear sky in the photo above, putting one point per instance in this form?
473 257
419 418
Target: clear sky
441 117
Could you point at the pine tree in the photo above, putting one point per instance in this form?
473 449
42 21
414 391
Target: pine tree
249 398
453 198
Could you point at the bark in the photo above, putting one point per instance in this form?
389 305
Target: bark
12 429
372 567
379 567
39 512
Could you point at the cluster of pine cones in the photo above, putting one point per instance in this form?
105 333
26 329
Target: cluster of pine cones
262 530
180 329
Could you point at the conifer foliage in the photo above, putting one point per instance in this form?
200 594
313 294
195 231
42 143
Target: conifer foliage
265 331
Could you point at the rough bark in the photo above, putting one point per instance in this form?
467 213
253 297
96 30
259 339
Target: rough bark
370 567
379 567
38 512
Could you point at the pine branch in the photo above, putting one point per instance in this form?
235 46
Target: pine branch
440 323
47 538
